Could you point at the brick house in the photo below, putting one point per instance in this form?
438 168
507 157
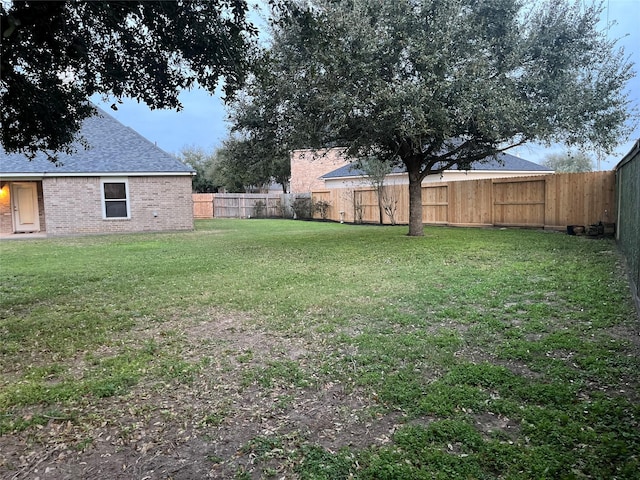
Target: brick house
121 183
308 167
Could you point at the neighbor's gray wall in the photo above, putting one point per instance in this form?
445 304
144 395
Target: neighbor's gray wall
628 225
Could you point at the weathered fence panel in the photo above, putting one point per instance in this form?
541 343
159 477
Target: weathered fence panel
227 207
247 205
238 205
549 201
286 202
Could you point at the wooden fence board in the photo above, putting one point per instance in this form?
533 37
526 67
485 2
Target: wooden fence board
470 202
519 203
435 204
579 199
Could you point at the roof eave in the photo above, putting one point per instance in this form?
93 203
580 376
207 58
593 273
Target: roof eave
22 176
532 172
528 172
40 175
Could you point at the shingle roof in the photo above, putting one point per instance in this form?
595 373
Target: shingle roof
114 148
506 163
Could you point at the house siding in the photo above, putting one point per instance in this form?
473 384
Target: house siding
73 205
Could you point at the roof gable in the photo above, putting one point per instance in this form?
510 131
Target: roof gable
113 148
505 163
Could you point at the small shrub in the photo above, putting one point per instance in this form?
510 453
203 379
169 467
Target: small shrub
259 209
389 203
302 207
322 207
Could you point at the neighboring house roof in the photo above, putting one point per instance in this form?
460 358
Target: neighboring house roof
506 163
113 149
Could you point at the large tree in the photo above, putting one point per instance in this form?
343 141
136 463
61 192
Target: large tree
435 83
203 163
258 120
238 167
57 54
569 162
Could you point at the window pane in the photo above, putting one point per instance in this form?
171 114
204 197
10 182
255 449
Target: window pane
115 191
116 209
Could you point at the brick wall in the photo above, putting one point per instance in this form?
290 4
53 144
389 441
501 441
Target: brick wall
307 166
6 222
73 205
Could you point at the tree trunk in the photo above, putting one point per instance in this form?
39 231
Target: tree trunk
380 207
416 229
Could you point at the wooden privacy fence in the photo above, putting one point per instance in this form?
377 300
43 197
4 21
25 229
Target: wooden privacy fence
546 201
237 205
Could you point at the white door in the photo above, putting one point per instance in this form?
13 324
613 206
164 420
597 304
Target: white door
24 197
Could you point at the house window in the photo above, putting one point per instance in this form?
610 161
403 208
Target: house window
115 198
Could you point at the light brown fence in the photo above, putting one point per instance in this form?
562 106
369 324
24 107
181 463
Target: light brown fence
202 205
546 201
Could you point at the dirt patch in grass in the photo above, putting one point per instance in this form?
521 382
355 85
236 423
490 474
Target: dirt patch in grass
492 425
475 355
220 423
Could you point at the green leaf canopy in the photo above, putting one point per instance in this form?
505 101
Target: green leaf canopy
433 84
55 55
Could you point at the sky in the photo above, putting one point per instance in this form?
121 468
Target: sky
202 121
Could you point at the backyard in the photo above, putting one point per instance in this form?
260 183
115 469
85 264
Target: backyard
290 349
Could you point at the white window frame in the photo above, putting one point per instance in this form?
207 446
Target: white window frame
104 201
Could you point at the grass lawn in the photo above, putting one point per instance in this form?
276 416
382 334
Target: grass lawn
284 349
